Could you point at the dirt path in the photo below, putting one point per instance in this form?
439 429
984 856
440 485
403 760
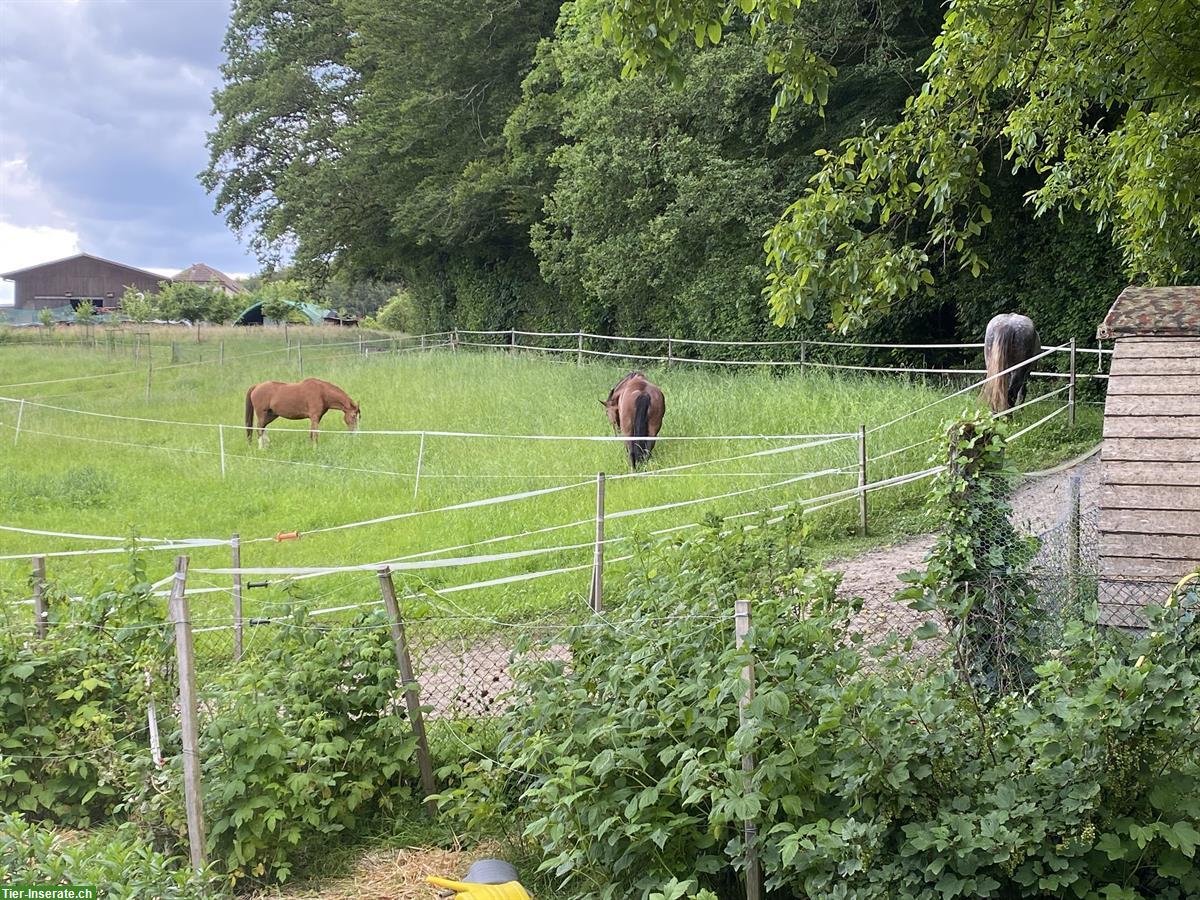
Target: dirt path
1037 505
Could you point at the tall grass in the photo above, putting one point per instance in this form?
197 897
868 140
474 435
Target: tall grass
165 481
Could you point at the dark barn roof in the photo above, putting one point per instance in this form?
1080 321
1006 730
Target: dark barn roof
54 262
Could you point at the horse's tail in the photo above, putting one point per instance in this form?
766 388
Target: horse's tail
639 450
249 415
999 357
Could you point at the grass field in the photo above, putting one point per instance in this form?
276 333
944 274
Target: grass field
108 476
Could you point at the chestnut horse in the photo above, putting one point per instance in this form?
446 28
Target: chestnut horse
1010 338
309 399
635 408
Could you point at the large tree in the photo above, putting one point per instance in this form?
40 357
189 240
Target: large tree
1097 101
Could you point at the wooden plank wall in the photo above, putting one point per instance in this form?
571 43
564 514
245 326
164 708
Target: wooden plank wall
1149 474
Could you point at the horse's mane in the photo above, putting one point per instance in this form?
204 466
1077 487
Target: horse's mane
621 383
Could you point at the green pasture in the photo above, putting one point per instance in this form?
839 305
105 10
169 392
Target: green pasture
109 476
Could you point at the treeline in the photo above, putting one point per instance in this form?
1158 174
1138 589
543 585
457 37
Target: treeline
489 156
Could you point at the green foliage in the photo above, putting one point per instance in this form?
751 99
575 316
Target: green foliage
277 298
138 306
1094 99
195 303
85 313
73 706
977 563
398 314
82 487
117 862
307 741
872 778
45 317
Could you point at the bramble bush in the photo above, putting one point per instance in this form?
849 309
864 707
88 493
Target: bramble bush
73 706
878 774
300 743
118 862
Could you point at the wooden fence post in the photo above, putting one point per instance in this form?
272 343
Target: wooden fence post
185 657
579 353
1071 389
221 446
512 341
221 351
670 351
803 356
411 688
741 621
39 595
174 353
862 480
300 355
1073 536
596 599
149 371
454 340
235 545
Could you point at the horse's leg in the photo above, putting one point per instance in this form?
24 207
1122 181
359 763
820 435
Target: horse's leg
314 423
265 418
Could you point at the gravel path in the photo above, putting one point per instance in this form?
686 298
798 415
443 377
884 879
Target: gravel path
1037 505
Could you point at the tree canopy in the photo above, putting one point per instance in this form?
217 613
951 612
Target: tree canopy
1099 100
618 165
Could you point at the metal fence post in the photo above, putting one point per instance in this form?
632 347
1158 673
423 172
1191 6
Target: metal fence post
39 595
235 545
185 657
1071 389
1073 536
596 600
741 620
411 688
862 480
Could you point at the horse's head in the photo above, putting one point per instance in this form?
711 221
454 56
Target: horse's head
612 410
351 416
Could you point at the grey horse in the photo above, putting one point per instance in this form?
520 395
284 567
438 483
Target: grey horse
1010 339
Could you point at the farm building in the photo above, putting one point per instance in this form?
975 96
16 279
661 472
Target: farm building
1150 460
78 279
207 276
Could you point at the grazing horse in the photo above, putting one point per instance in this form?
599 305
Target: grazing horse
308 399
1010 339
635 408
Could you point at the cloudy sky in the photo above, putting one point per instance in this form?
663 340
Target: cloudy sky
104 106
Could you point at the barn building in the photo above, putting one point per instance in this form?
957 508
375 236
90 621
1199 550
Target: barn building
78 279
1150 459
207 276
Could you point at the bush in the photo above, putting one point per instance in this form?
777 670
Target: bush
303 743
398 314
117 862
874 777
73 706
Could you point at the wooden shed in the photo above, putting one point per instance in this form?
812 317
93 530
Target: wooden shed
1150 460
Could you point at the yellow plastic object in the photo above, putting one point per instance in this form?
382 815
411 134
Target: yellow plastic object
463 891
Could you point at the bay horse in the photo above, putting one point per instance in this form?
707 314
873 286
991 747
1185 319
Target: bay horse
635 408
308 399
1010 338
